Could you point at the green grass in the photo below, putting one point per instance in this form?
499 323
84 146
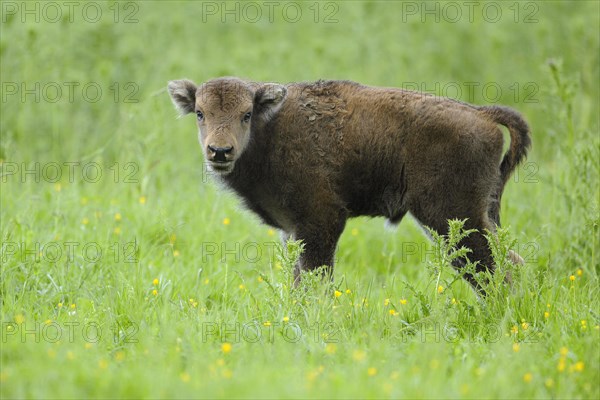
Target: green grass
190 296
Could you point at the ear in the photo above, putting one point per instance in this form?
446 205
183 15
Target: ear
269 97
183 95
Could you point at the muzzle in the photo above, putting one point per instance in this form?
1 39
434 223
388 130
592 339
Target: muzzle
219 154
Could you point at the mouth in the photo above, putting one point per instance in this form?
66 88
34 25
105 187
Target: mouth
221 167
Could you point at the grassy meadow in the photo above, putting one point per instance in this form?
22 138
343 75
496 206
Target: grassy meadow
127 272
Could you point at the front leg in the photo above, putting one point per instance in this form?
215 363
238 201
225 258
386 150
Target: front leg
320 237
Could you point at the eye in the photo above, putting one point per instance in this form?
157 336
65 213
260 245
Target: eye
199 115
247 116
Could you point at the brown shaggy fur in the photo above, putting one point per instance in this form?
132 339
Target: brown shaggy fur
315 154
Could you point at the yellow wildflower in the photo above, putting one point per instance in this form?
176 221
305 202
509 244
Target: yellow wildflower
226 221
226 348
564 351
358 355
337 293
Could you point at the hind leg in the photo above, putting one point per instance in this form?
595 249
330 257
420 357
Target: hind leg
494 216
494 210
480 250
476 218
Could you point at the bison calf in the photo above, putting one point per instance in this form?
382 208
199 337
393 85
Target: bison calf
306 157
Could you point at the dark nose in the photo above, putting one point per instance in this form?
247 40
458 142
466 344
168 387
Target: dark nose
220 153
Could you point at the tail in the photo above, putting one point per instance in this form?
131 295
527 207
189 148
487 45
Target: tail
520 140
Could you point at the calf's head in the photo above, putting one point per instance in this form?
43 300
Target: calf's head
226 109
